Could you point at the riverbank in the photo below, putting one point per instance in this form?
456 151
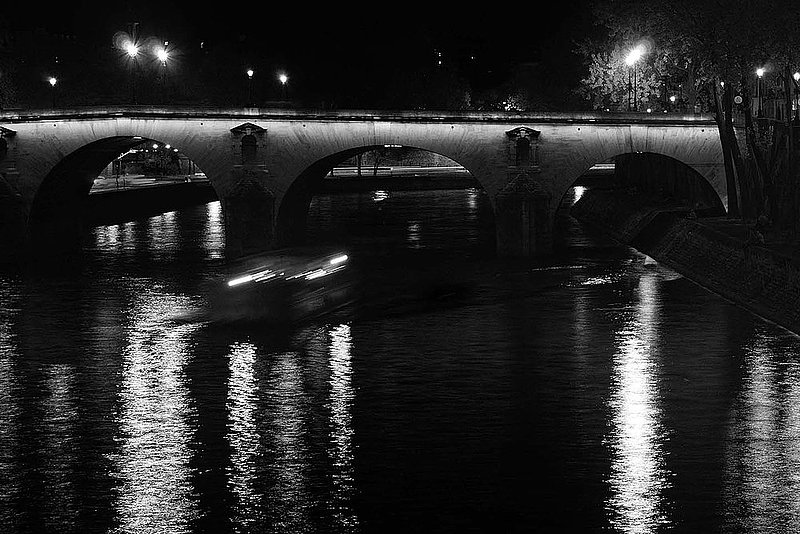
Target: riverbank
115 206
716 253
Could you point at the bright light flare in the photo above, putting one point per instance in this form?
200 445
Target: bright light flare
53 81
759 72
634 55
283 78
162 55
338 259
132 50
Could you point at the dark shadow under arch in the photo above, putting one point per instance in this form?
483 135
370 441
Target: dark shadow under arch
59 213
292 218
658 177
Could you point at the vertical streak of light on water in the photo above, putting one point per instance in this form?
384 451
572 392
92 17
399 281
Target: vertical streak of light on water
60 444
9 411
243 435
341 403
638 476
286 399
152 463
214 231
761 490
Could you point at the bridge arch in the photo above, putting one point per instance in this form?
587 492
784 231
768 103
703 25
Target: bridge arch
656 173
58 208
293 210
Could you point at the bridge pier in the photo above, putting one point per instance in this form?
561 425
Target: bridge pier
523 219
249 208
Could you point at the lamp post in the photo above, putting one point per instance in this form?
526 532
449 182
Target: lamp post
283 79
796 77
53 81
250 87
759 74
133 52
672 100
631 59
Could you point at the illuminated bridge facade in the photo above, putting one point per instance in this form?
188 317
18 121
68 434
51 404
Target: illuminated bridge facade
264 164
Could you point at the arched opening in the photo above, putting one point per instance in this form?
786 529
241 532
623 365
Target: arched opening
111 181
388 197
631 183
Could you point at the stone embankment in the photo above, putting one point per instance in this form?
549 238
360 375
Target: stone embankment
745 272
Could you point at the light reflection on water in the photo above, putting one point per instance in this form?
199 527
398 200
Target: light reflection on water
243 434
639 476
155 492
301 431
342 397
762 478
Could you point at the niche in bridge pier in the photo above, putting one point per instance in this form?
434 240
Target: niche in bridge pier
249 205
523 148
249 144
523 205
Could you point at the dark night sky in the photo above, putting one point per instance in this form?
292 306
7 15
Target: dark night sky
317 43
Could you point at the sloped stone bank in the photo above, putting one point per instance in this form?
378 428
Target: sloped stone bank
755 277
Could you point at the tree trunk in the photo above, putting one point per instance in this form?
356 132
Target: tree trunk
722 117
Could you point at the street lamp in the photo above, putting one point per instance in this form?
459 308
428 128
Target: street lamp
759 73
631 59
250 87
133 52
283 78
163 56
53 81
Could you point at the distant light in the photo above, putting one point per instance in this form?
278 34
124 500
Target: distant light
649 110
174 149
167 146
722 84
283 78
163 55
672 98
52 81
392 146
759 72
796 76
250 73
155 145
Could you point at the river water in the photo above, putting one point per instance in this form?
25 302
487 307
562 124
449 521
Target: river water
588 392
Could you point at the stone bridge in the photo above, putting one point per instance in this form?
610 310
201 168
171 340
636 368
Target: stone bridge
264 164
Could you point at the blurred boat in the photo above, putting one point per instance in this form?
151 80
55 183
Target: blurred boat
283 286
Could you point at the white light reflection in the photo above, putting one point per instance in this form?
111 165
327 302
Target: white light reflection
10 413
60 419
578 193
162 234
762 473
289 493
380 195
243 435
341 404
414 234
152 465
638 476
214 231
